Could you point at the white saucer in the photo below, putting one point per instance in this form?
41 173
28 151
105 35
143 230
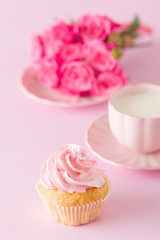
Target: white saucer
103 144
32 88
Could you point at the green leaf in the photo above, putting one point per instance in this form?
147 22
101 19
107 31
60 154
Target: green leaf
116 52
132 28
135 24
117 39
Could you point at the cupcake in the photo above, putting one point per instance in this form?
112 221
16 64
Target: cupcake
71 186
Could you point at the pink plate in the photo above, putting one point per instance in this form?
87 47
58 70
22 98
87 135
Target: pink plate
36 91
104 145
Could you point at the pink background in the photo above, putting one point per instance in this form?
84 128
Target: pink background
30 131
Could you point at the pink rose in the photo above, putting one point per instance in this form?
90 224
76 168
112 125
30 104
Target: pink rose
120 72
64 32
37 48
70 52
114 25
77 77
51 45
47 72
98 56
108 82
110 45
94 27
54 37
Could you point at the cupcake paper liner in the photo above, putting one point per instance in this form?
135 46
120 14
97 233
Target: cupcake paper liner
75 215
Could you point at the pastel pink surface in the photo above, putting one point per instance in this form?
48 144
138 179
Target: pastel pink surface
138 134
30 131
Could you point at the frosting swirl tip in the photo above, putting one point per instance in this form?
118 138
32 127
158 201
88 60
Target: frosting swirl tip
70 169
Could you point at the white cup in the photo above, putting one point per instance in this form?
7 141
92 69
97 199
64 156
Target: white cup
138 133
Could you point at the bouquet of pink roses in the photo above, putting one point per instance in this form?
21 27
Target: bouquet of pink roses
80 58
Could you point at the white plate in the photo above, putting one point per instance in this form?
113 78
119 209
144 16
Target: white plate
32 88
103 144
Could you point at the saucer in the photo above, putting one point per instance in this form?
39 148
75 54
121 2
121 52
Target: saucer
103 144
33 89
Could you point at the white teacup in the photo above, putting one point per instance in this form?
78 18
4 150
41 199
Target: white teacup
134 117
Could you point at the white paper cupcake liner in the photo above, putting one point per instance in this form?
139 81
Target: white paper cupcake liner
75 215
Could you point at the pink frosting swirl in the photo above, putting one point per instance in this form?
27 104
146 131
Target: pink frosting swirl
70 169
